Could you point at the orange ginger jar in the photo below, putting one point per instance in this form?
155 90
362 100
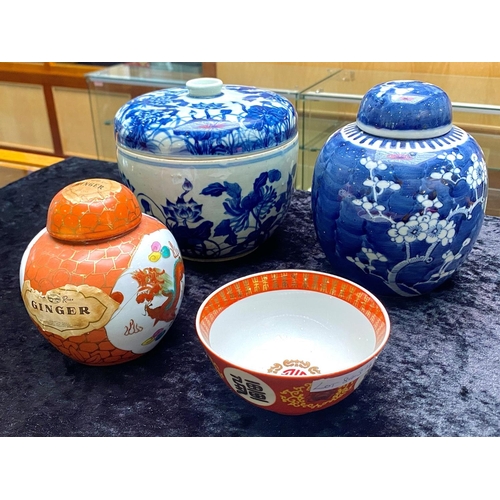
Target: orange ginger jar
102 282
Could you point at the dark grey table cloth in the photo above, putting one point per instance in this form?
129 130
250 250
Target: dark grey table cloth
438 375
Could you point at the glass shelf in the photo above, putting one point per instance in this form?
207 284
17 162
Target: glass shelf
151 74
288 80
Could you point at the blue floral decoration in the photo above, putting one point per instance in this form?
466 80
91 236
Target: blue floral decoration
169 122
250 220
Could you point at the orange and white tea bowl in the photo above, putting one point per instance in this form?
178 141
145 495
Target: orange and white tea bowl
292 341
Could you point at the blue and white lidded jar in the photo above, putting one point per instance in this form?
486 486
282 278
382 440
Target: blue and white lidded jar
399 197
215 163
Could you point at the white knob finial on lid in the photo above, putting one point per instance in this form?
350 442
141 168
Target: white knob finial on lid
204 87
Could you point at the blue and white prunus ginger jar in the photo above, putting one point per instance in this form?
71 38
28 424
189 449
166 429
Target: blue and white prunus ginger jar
215 163
399 197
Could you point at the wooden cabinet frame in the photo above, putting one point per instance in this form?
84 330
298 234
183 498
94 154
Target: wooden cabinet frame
48 75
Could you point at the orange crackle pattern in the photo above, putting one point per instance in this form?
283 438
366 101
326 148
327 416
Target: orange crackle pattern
102 213
53 264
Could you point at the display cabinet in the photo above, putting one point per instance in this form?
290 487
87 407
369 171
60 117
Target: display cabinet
334 102
44 109
288 80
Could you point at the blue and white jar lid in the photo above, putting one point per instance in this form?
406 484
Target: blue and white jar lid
405 109
205 118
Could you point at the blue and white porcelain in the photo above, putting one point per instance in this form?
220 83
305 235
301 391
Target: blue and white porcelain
215 163
399 197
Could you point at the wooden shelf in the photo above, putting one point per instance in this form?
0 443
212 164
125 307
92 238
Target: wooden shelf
26 161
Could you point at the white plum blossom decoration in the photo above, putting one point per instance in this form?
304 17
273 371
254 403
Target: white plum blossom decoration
475 173
441 231
407 232
448 258
371 164
424 200
372 255
380 184
452 157
428 226
448 172
365 267
369 205
445 174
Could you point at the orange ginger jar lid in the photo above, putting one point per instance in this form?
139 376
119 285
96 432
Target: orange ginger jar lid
92 210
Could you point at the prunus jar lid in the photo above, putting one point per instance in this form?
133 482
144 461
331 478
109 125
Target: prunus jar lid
405 109
205 118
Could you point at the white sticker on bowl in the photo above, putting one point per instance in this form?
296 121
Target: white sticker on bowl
250 387
326 384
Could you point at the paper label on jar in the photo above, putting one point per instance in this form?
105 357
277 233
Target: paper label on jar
90 190
70 310
326 384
